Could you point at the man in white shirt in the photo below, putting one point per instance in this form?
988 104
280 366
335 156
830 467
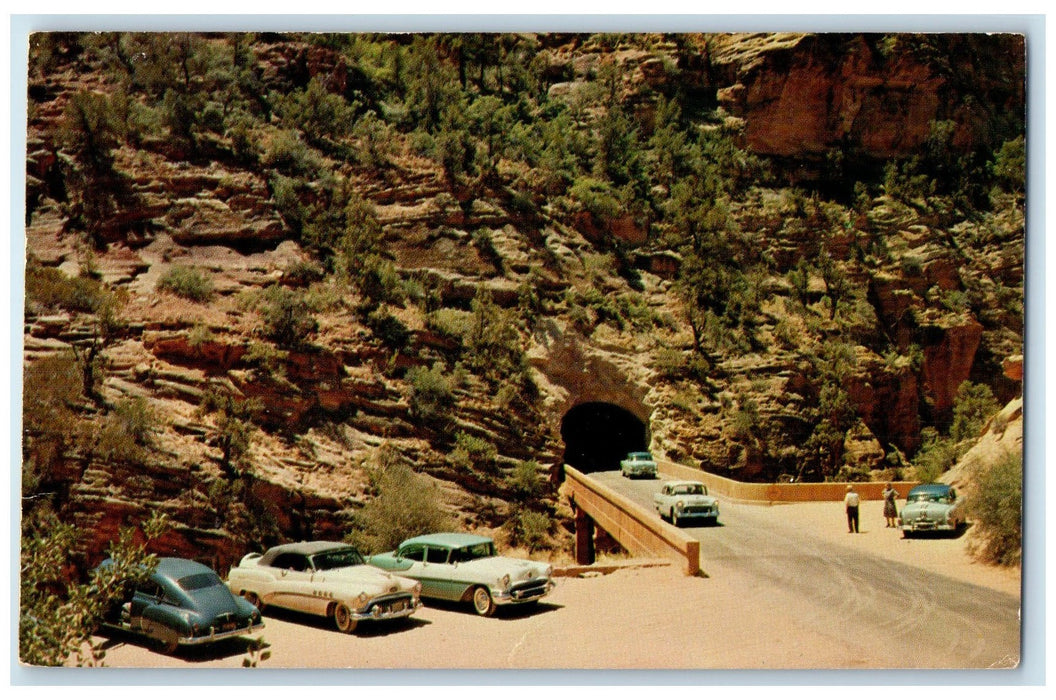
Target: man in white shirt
851 500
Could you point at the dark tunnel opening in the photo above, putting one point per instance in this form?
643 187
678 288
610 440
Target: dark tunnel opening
598 435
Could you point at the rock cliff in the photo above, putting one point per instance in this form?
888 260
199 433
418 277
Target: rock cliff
592 299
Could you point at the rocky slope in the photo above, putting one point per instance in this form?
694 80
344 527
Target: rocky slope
595 297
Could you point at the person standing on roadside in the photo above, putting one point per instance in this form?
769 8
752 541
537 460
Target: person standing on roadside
851 501
890 508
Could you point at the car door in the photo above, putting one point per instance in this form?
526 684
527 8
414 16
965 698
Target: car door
293 582
444 577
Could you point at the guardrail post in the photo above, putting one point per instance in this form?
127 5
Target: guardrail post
584 537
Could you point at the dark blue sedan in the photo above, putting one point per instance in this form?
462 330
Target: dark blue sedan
183 603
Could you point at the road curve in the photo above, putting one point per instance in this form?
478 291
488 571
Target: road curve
911 617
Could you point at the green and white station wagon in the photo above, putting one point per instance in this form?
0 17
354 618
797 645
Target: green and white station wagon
463 567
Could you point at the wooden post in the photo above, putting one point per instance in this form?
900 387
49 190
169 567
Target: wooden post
584 537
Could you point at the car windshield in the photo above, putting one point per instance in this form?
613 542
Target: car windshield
194 582
641 456
337 558
691 489
926 497
474 551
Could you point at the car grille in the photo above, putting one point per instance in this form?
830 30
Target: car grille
697 510
529 589
390 605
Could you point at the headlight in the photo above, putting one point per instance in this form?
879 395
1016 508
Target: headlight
549 571
417 588
679 504
504 582
361 600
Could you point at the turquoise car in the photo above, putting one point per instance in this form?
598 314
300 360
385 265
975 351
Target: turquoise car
465 568
638 464
182 603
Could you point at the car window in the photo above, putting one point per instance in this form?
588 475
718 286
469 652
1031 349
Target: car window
194 582
436 555
291 562
474 551
149 588
337 559
412 553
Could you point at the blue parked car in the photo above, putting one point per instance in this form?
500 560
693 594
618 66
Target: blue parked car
183 603
932 508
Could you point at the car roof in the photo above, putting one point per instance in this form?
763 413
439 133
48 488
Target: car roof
683 482
930 488
447 539
307 548
175 568
640 452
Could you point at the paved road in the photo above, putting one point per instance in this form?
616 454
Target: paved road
910 616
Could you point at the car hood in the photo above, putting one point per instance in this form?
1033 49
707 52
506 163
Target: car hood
372 579
497 567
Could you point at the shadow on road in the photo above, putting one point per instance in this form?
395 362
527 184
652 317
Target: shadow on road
938 534
233 646
365 628
503 612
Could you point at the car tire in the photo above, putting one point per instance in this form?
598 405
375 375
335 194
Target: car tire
343 619
166 643
254 600
674 517
483 603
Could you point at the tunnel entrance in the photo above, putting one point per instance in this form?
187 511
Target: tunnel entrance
598 435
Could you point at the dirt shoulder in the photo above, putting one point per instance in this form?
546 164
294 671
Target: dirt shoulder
827 521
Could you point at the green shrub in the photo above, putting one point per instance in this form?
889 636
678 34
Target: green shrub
391 331
405 504
472 452
936 455
997 508
291 156
972 408
529 528
596 197
525 481
287 318
127 434
187 282
432 393
449 323
49 288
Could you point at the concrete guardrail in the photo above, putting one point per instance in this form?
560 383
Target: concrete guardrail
780 493
640 530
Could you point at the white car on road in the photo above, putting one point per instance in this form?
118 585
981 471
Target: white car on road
680 500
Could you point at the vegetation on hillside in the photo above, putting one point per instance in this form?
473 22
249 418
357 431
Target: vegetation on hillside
560 134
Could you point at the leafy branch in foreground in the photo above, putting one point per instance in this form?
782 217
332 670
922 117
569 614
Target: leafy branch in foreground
57 616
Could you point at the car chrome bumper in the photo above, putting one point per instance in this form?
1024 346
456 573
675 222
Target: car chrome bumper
214 636
927 526
698 512
387 611
527 594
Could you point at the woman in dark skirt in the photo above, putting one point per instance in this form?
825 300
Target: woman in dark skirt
890 509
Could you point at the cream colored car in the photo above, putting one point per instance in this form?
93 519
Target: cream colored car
681 500
330 579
